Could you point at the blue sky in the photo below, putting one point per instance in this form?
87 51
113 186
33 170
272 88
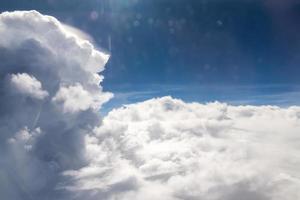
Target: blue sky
197 50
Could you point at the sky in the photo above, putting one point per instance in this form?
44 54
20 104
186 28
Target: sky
164 100
195 50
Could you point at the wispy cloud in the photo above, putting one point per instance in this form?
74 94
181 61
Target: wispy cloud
272 94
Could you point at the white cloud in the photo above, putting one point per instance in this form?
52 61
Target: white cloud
28 85
75 98
177 150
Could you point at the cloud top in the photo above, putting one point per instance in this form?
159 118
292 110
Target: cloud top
167 149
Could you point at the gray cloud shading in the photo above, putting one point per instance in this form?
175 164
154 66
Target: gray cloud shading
54 144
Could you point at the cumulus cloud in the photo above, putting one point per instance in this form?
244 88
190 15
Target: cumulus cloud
50 95
75 98
28 85
168 149
54 145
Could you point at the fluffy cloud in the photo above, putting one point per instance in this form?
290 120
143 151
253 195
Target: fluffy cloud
28 85
54 145
75 98
50 96
168 149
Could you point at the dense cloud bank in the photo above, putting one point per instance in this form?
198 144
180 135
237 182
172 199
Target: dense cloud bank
168 149
54 144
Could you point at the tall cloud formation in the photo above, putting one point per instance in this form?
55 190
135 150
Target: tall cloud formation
50 97
54 144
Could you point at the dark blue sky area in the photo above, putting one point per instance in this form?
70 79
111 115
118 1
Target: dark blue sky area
188 43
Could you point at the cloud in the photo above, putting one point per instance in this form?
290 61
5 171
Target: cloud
54 144
177 150
50 96
28 85
75 98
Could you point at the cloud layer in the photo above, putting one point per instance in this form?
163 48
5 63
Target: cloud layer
168 149
54 144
